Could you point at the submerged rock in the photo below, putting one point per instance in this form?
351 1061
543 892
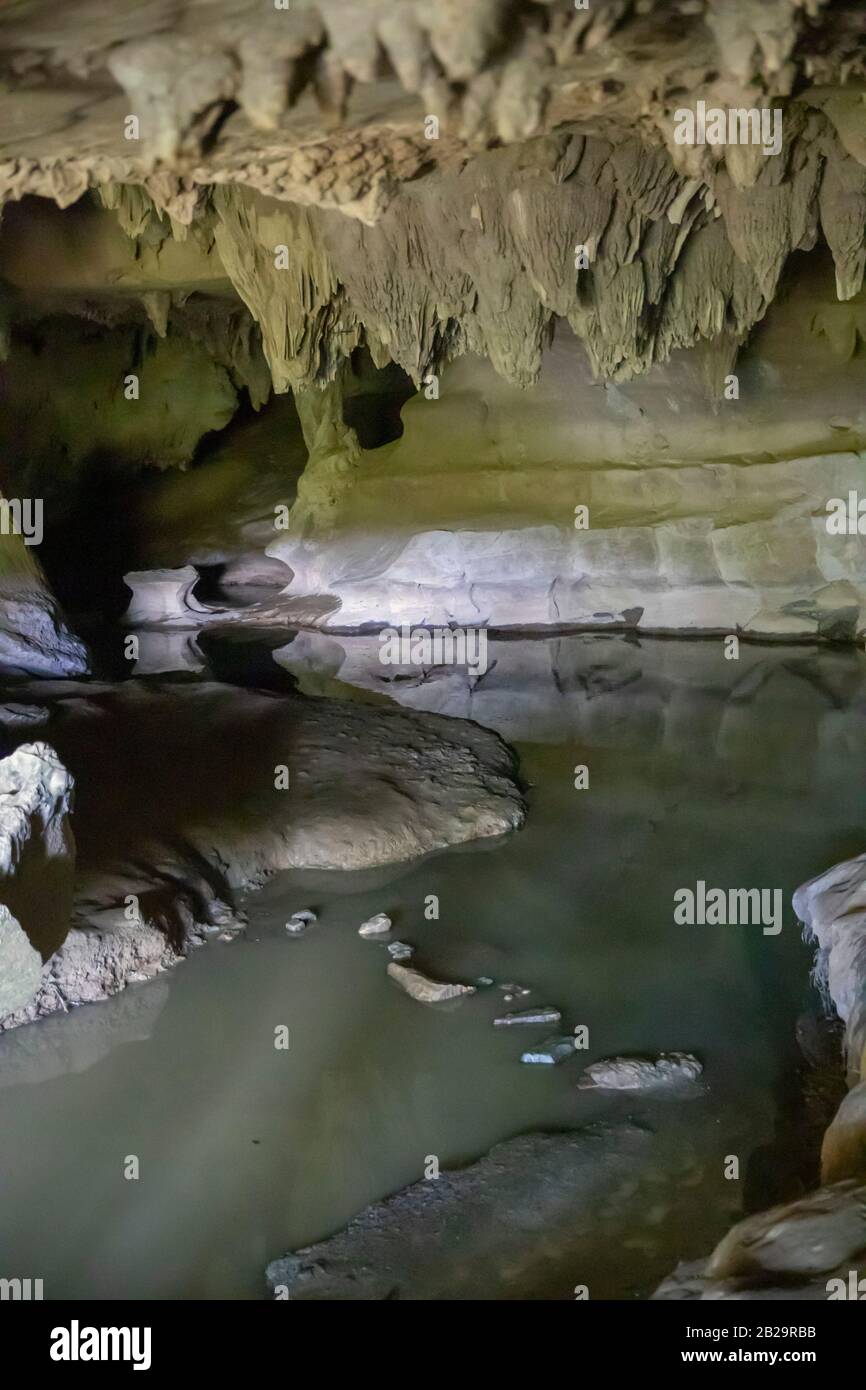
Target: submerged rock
508 1226
550 1052
641 1074
299 922
425 990
14 716
379 925
529 1017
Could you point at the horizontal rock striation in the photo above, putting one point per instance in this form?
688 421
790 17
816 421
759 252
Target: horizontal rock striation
585 506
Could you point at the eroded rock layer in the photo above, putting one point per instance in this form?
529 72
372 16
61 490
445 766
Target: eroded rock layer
403 228
175 834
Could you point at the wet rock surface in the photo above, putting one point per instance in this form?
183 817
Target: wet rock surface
325 788
422 988
806 1250
37 866
669 1072
510 1225
34 639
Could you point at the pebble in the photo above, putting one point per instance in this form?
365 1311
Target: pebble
512 992
379 925
550 1052
400 950
299 922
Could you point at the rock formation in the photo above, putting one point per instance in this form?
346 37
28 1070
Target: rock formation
812 1248
37 864
175 833
255 194
34 638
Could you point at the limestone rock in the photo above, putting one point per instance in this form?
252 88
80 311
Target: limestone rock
34 639
366 788
379 925
300 922
20 965
422 988
550 1052
668 1071
15 716
833 910
529 1018
164 596
672 541
843 1152
821 1232
418 245
37 864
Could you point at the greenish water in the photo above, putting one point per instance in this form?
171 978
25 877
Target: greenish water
246 1151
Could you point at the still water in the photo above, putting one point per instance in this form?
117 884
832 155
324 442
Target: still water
750 778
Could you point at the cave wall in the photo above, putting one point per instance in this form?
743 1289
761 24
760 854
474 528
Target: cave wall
701 514
493 198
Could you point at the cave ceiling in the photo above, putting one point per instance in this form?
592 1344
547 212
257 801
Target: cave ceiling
445 177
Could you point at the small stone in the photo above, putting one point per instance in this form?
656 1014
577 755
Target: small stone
400 950
298 922
550 1052
529 1017
425 990
379 925
225 936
